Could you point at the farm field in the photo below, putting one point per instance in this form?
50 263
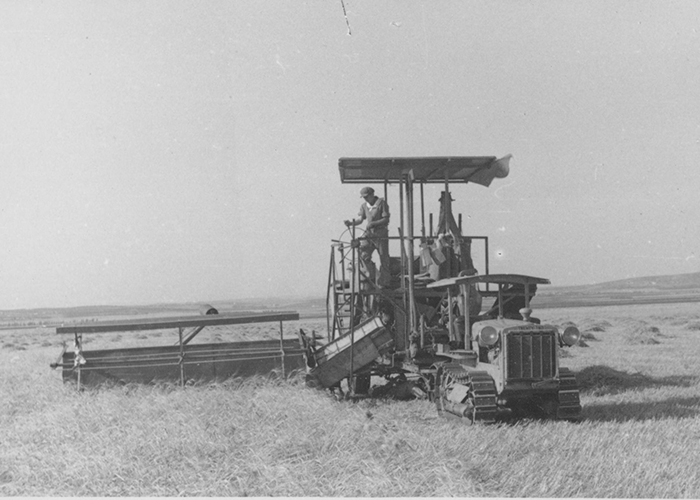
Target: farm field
639 438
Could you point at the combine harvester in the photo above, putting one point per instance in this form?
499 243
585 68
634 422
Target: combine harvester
423 332
183 362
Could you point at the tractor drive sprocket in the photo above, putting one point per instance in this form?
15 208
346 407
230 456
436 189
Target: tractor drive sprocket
467 394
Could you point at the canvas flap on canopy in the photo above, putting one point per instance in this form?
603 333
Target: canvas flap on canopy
433 170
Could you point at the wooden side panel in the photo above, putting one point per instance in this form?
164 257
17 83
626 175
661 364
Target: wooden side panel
366 350
202 362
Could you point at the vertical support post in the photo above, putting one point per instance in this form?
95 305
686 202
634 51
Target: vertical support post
341 249
467 313
486 244
411 258
446 202
500 301
486 261
386 199
355 274
282 350
404 293
422 331
450 314
333 282
181 361
402 233
422 211
78 356
446 213
343 254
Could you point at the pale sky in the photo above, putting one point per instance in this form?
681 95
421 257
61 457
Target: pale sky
156 151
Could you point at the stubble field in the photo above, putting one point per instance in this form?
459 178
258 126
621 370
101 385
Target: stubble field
640 435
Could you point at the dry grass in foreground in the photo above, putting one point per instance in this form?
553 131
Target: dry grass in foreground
640 436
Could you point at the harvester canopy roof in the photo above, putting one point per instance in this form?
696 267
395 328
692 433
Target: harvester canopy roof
437 169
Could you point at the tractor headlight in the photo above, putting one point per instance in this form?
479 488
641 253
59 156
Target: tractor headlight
571 336
487 337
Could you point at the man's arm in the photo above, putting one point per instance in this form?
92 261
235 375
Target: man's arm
355 222
383 222
361 216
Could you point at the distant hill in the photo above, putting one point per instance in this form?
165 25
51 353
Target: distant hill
643 290
51 317
666 282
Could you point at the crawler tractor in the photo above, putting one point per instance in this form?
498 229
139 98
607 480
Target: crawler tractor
441 328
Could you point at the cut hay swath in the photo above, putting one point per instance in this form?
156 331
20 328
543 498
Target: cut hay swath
183 361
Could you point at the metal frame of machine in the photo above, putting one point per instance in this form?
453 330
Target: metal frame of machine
423 329
183 361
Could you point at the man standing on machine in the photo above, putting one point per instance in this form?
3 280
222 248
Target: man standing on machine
376 211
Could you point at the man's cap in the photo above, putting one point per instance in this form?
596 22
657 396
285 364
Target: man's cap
366 191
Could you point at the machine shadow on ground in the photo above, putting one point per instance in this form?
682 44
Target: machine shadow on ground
671 408
601 380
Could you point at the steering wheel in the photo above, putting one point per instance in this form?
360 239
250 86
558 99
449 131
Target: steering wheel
345 243
345 239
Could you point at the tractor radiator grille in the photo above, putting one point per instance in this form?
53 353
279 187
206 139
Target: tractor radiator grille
531 355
